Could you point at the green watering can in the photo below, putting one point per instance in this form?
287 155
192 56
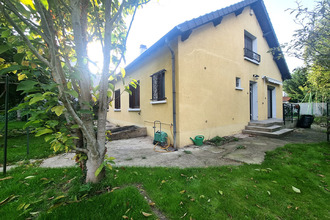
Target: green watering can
198 140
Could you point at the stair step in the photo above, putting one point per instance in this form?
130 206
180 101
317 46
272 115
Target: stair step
278 133
265 123
261 128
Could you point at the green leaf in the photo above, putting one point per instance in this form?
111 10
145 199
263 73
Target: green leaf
97 172
74 126
26 85
69 85
5 33
48 138
45 4
296 189
109 94
36 98
28 3
112 87
58 110
52 123
48 93
20 206
59 197
123 72
109 166
44 131
10 69
4 48
18 58
73 93
30 123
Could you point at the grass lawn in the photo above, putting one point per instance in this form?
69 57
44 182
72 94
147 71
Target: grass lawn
17 144
292 183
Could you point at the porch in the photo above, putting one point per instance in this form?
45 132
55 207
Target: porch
272 127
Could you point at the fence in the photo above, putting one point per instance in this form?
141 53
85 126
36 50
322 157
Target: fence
316 109
290 112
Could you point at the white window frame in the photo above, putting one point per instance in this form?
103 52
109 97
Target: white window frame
238 79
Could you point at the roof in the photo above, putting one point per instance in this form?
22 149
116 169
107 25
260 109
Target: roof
185 29
286 99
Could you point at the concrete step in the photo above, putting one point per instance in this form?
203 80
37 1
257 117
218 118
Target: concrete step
274 134
262 128
266 123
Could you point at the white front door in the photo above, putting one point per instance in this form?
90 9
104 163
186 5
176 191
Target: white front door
271 103
253 101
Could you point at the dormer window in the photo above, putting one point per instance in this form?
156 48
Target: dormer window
250 48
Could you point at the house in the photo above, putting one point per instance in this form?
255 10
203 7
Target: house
208 76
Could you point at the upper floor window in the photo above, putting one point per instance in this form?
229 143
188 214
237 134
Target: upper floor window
158 85
250 48
134 97
117 99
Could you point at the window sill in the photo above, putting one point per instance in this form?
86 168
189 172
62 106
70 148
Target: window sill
134 109
117 110
237 88
252 61
158 102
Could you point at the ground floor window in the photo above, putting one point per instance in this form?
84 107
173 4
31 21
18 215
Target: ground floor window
134 97
158 86
117 99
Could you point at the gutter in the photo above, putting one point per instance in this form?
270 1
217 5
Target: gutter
173 92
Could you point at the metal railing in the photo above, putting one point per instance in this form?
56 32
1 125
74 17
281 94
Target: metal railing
251 55
290 111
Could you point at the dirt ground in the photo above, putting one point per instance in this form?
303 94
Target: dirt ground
248 149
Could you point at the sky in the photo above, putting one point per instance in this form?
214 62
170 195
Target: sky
158 17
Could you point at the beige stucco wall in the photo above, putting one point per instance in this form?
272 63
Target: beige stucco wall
209 62
149 112
207 65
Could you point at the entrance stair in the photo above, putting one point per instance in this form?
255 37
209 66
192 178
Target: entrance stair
268 128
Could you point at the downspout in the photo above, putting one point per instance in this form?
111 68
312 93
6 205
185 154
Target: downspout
173 92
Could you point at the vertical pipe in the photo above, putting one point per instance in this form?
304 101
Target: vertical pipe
173 92
283 109
6 126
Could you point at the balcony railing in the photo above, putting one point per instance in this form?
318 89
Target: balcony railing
251 55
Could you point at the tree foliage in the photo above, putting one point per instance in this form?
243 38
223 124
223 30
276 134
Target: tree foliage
311 43
51 39
298 86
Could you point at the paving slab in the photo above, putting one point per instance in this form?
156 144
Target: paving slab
141 152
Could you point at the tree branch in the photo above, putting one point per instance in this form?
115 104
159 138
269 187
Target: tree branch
66 6
98 23
83 150
114 19
26 40
31 25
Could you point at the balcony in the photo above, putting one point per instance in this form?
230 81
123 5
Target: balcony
251 56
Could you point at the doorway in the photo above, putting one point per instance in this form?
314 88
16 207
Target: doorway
271 102
253 101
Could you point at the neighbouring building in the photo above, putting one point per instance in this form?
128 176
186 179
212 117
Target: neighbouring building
207 76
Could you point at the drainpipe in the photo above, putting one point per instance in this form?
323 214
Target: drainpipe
173 92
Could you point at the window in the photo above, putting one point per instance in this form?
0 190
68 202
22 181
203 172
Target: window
158 86
117 99
250 48
238 84
134 98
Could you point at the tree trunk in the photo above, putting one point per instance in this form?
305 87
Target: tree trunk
92 164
